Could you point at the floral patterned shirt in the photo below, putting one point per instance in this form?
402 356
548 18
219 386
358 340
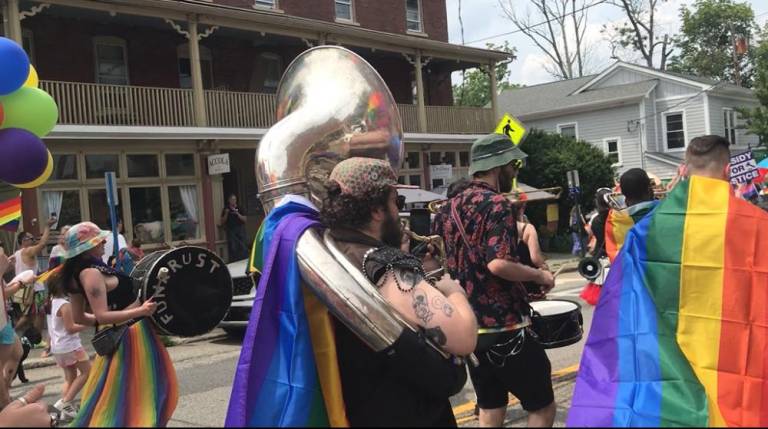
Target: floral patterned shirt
491 230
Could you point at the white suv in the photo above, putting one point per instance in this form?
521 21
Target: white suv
243 294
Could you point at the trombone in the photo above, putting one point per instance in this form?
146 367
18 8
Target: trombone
437 242
436 205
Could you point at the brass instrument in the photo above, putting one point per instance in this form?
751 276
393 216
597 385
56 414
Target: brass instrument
332 105
436 205
439 244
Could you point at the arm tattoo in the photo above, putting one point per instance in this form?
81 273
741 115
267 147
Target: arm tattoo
409 277
436 335
439 303
421 306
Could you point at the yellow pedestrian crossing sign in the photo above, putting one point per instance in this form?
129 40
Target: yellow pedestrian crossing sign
511 127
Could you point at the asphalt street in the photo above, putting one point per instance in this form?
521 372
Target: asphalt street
205 371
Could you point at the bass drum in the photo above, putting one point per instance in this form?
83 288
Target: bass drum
191 286
557 322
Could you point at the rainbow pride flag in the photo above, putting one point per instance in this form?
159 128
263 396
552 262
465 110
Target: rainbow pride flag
10 207
619 223
680 335
288 373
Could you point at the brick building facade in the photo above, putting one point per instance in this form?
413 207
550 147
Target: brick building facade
131 99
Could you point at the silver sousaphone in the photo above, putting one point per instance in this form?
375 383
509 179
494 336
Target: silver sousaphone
332 105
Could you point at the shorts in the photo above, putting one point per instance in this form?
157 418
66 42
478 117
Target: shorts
65 360
7 334
527 374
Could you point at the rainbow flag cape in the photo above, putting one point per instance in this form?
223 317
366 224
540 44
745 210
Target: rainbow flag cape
619 223
680 335
256 258
10 207
288 373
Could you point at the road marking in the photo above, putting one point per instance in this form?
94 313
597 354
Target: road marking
470 406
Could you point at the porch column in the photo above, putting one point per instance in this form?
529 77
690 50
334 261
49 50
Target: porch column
420 106
12 20
197 74
209 215
494 92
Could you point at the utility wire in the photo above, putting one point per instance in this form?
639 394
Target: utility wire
583 8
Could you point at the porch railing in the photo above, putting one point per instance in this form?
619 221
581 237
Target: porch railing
100 104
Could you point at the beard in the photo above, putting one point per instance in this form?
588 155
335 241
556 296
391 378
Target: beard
505 181
391 234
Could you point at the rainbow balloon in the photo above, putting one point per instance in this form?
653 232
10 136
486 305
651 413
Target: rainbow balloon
680 335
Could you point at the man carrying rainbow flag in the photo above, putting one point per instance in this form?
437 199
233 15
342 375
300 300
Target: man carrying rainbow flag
638 195
680 334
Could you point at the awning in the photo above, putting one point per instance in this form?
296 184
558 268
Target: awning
418 195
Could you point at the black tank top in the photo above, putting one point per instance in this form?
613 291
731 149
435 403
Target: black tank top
118 298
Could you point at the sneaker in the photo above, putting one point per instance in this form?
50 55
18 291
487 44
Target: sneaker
41 345
59 404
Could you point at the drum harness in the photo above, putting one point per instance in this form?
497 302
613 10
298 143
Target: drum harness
517 341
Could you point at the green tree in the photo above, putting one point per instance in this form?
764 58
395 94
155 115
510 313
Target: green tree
475 90
708 37
550 157
757 118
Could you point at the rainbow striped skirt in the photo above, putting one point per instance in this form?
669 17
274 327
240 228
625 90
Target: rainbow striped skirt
134 387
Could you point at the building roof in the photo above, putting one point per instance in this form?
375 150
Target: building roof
557 97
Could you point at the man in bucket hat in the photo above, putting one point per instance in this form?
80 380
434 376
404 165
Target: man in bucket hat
481 237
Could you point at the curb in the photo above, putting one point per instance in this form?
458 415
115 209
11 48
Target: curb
178 341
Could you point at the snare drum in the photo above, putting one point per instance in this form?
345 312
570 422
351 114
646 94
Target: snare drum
191 286
557 322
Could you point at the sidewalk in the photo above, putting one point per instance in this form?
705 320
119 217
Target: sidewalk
34 360
557 260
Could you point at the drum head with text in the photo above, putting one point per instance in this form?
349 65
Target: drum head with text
196 294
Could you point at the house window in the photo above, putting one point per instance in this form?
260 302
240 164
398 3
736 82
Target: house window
146 216
273 70
64 205
97 165
412 160
143 165
111 61
413 15
464 159
344 10
185 66
435 158
674 130
729 118
414 180
180 164
568 130
184 212
612 148
450 158
264 3
99 209
64 167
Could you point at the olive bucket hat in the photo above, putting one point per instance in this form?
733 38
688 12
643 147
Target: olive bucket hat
491 151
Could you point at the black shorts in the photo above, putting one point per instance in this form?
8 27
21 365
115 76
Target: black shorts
527 375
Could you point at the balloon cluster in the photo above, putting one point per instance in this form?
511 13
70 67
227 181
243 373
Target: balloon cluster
27 114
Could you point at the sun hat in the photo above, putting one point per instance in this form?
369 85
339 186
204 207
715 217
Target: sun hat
491 151
358 176
83 237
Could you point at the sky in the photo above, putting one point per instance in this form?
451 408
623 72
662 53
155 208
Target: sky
485 18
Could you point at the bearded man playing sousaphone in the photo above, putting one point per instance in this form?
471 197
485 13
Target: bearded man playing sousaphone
407 388
480 233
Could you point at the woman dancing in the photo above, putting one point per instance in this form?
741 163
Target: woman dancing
135 383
